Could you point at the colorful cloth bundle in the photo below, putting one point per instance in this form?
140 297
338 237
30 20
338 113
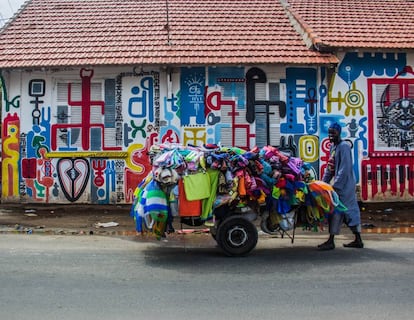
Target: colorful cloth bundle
323 196
151 206
321 201
266 176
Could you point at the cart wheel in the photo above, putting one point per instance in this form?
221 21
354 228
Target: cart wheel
237 236
213 229
213 232
266 225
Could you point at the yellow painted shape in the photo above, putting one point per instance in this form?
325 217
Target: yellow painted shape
308 148
354 101
10 165
88 154
192 136
136 147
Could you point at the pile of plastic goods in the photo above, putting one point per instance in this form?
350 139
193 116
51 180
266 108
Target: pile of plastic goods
210 176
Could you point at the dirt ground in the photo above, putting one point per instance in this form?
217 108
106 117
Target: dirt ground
85 218
66 217
387 214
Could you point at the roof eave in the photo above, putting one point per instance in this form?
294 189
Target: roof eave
324 59
310 38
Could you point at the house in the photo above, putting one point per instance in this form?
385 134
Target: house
371 92
89 86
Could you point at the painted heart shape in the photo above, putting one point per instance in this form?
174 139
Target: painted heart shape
73 177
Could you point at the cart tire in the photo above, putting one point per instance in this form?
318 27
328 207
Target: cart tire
213 232
237 236
266 227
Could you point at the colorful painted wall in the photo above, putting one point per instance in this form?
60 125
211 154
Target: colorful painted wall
82 135
372 94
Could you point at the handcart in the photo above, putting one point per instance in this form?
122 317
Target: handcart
236 231
231 191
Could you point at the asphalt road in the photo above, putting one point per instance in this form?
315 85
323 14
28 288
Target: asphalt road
94 277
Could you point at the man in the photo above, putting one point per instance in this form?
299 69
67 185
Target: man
339 168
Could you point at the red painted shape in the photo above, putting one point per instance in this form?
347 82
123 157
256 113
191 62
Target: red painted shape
219 103
393 179
209 102
411 178
45 174
364 181
29 168
99 166
390 176
85 103
392 169
153 138
30 185
132 179
10 120
170 137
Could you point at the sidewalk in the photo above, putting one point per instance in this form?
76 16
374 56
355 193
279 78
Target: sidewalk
115 220
67 219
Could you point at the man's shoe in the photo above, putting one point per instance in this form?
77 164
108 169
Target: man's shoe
326 246
354 244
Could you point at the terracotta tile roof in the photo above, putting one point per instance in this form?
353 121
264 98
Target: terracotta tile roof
383 24
114 32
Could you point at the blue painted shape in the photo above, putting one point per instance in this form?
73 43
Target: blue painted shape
45 124
362 139
323 91
96 139
299 82
109 108
231 79
217 132
311 111
94 190
142 100
37 137
363 135
169 113
192 83
369 64
31 145
71 135
98 194
110 176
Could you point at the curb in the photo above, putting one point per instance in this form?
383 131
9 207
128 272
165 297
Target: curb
130 233
389 230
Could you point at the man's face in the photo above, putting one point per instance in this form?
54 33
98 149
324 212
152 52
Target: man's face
333 136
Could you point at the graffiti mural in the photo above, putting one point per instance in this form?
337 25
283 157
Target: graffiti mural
388 173
84 135
371 96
